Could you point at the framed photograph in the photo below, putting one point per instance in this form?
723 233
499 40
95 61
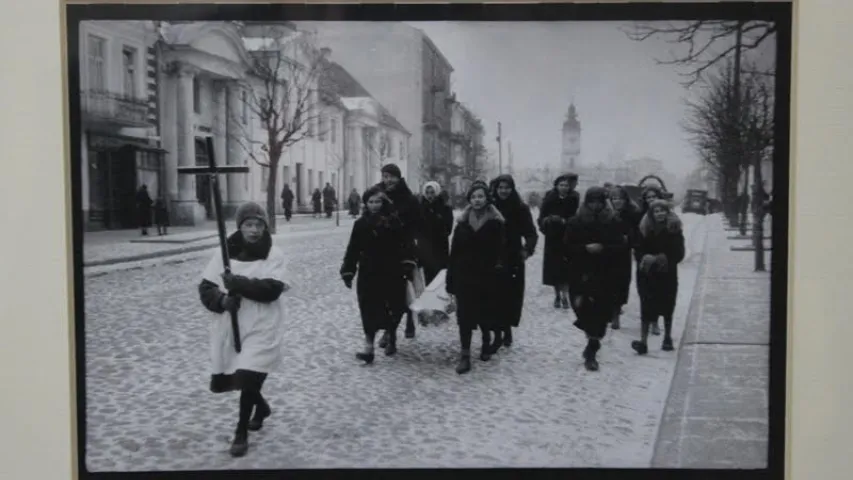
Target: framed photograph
406 239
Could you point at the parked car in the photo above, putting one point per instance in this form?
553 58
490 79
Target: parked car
695 201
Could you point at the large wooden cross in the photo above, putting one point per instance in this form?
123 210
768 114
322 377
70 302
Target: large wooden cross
212 171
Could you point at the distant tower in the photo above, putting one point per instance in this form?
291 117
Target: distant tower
570 158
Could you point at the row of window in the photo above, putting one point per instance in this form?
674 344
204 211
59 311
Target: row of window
98 63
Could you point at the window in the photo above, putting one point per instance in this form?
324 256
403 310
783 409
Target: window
265 178
333 130
128 55
97 48
196 95
244 116
400 151
322 127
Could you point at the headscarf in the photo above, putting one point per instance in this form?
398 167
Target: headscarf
435 187
586 214
514 198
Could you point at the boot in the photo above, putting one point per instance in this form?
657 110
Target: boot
410 326
614 323
391 347
592 347
667 346
497 342
558 302
383 342
508 337
366 357
240 445
640 347
262 411
485 353
464 365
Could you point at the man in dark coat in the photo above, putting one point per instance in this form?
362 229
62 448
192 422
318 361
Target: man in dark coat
408 209
287 201
143 208
329 199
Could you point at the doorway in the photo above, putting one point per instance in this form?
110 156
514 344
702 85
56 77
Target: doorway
113 193
202 182
300 193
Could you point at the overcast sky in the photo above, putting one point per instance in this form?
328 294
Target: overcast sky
526 74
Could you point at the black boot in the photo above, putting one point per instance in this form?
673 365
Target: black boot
383 342
464 365
262 411
614 323
240 445
497 342
592 347
558 302
508 337
410 326
640 347
667 346
391 347
366 357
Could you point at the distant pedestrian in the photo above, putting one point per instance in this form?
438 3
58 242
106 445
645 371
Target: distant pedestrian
330 199
317 202
434 239
143 208
287 198
519 227
559 205
253 288
659 250
354 203
593 246
476 266
161 216
627 217
380 255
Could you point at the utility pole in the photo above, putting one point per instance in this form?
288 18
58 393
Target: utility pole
500 151
509 157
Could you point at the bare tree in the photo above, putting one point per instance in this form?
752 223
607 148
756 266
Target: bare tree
283 95
731 128
377 145
704 43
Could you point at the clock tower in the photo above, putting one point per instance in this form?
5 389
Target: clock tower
570 157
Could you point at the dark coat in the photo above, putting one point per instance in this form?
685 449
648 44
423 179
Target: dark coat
377 253
434 238
475 269
143 207
518 226
553 216
329 198
658 288
287 199
354 203
316 200
627 221
161 213
407 206
591 278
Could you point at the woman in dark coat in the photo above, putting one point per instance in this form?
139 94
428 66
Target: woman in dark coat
519 226
627 217
594 245
558 206
434 239
379 254
317 202
354 203
476 266
659 250
650 194
143 208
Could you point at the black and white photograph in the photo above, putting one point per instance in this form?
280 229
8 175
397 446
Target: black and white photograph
307 240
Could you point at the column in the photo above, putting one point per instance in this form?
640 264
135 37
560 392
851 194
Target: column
237 193
186 202
168 133
358 157
220 132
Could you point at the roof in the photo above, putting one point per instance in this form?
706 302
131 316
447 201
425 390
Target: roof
338 80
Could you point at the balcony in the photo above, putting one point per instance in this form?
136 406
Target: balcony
104 107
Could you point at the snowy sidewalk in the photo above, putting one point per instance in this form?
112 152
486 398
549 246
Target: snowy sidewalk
716 414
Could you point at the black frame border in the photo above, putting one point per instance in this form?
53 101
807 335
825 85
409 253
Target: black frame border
779 12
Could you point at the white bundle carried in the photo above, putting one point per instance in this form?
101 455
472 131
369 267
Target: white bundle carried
434 305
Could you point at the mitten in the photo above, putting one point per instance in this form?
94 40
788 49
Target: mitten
646 263
662 262
347 280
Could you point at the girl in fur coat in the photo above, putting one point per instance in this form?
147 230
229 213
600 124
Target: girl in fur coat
560 204
650 194
659 250
380 253
475 271
627 217
594 245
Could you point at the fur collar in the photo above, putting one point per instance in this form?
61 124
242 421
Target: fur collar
648 225
492 213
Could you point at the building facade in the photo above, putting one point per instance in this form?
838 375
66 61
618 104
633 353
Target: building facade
120 147
468 155
406 73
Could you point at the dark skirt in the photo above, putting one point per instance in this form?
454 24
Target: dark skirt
622 279
593 315
658 294
555 267
381 301
474 309
511 298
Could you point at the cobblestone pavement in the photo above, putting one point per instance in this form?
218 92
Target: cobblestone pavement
532 405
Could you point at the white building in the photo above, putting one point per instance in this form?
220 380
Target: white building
119 112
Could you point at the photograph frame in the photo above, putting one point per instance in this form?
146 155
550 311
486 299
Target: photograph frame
779 12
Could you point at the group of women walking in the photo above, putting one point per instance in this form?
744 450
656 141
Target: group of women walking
591 247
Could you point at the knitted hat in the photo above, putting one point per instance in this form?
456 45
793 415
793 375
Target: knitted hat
251 210
477 185
393 170
660 203
435 186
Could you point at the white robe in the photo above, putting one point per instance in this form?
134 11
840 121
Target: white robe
261 324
